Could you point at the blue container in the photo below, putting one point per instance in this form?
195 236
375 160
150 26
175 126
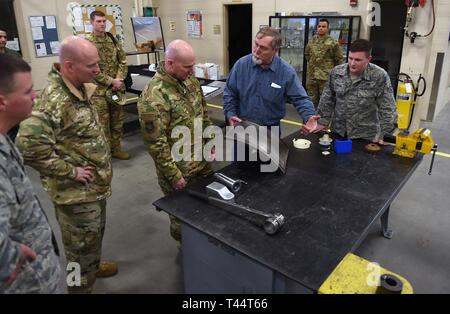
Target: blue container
343 146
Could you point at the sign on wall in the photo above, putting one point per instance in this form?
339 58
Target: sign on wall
81 23
45 35
194 24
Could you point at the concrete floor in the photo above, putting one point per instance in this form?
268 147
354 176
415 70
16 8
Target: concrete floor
137 236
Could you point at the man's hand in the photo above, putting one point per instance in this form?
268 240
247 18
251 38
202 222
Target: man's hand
27 253
181 184
117 84
319 128
233 120
84 174
311 125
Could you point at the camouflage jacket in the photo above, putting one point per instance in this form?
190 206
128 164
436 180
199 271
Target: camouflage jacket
165 104
360 108
12 52
22 221
62 133
113 62
322 55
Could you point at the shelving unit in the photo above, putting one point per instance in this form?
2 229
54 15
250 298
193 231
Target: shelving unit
296 31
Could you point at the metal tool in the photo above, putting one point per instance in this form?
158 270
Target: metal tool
271 223
408 145
233 184
253 140
219 190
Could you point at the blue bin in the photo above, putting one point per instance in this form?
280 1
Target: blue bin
343 146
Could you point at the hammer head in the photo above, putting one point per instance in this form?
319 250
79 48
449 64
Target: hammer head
273 223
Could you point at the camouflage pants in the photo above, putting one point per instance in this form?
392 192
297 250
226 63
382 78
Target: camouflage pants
111 118
82 228
166 187
315 88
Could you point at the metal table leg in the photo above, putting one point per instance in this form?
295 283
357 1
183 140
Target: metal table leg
387 233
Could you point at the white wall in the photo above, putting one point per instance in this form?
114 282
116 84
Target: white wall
420 57
26 8
212 48
444 84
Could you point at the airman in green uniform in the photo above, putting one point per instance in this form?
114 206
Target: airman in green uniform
322 54
109 95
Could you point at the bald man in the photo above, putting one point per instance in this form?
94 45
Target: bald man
64 141
173 98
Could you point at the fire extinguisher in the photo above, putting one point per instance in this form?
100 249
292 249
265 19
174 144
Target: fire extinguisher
407 94
415 3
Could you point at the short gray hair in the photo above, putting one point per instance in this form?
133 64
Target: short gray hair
271 32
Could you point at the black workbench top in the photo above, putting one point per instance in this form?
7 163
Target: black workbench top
329 203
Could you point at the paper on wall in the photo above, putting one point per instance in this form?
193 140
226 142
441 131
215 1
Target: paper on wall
110 10
78 25
90 10
36 21
54 45
50 21
41 51
87 27
37 34
77 13
13 44
109 25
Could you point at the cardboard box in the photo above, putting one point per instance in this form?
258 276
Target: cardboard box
208 71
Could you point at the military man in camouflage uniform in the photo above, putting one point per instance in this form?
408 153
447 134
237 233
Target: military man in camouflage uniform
3 49
322 54
171 99
64 141
110 93
28 259
358 100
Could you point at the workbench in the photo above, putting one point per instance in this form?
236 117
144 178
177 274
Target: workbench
330 203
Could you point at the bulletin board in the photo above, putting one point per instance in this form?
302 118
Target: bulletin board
81 23
44 33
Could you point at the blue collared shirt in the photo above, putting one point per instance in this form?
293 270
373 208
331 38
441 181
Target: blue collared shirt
260 95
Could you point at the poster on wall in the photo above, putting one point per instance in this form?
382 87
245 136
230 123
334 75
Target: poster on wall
148 29
81 23
45 35
194 24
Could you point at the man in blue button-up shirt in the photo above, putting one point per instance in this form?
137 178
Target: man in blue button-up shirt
260 84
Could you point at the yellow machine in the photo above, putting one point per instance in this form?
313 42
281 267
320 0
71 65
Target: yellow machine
408 145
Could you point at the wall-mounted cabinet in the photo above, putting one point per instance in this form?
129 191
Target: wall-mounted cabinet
296 31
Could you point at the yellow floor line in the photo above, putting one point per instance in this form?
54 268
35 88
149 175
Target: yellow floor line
300 124
443 154
215 106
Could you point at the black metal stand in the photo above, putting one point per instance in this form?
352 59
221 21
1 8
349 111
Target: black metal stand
387 233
